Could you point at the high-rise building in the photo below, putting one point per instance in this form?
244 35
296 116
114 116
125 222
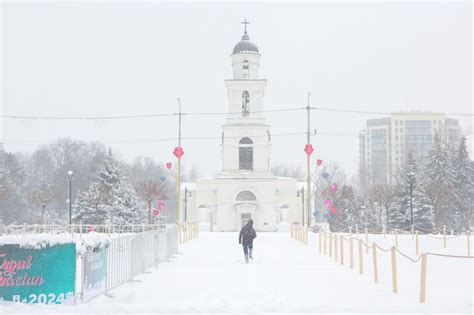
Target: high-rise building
386 142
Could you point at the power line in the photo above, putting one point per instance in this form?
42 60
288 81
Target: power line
143 116
125 141
289 109
409 113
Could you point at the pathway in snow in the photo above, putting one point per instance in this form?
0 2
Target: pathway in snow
210 276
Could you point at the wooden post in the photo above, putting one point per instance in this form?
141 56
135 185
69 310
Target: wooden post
342 250
417 246
319 237
396 237
468 236
444 236
423 279
366 240
361 259
374 254
324 245
330 244
394 271
335 247
351 253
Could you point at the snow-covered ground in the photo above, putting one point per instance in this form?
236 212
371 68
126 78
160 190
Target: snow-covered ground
210 276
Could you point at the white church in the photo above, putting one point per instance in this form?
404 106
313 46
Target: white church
245 188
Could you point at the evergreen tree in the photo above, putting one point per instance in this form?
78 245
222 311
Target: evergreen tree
439 183
463 188
89 208
111 200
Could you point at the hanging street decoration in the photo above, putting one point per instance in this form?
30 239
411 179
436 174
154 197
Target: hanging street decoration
325 175
156 212
169 165
162 178
160 205
308 149
178 152
333 210
319 162
334 188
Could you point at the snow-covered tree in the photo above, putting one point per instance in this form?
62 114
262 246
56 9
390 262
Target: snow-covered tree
110 200
463 188
438 183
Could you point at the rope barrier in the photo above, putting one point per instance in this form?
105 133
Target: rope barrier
446 255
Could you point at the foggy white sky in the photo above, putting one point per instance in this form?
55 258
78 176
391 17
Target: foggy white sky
103 58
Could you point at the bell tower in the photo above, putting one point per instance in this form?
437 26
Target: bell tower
246 140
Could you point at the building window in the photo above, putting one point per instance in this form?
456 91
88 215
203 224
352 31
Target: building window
246 196
396 122
245 69
246 154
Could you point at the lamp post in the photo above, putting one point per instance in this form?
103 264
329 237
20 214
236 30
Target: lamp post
70 174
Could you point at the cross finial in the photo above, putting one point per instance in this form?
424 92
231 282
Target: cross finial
245 22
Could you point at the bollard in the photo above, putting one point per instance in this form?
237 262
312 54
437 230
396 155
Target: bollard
361 259
417 246
384 231
423 279
374 254
444 236
330 244
366 240
468 236
351 253
342 250
335 248
394 271
412 231
396 237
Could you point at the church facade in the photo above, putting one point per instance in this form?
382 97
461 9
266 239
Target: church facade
245 188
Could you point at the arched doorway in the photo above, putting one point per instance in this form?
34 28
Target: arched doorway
245 206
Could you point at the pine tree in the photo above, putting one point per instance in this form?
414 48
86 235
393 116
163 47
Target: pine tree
463 187
439 183
89 208
126 207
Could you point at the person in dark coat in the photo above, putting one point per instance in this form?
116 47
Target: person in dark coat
246 236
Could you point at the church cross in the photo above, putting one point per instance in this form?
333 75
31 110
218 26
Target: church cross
245 22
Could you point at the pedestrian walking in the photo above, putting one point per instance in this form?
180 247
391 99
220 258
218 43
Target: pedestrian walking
246 236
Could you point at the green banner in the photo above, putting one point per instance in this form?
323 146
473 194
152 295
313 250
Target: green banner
45 276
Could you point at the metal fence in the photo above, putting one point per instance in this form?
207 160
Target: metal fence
132 254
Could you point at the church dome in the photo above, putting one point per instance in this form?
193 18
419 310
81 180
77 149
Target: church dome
245 46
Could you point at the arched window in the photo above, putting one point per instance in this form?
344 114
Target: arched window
246 196
245 69
246 154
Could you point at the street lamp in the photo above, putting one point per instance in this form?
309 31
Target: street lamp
69 201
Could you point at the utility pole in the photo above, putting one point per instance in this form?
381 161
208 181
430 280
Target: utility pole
178 168
308 134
